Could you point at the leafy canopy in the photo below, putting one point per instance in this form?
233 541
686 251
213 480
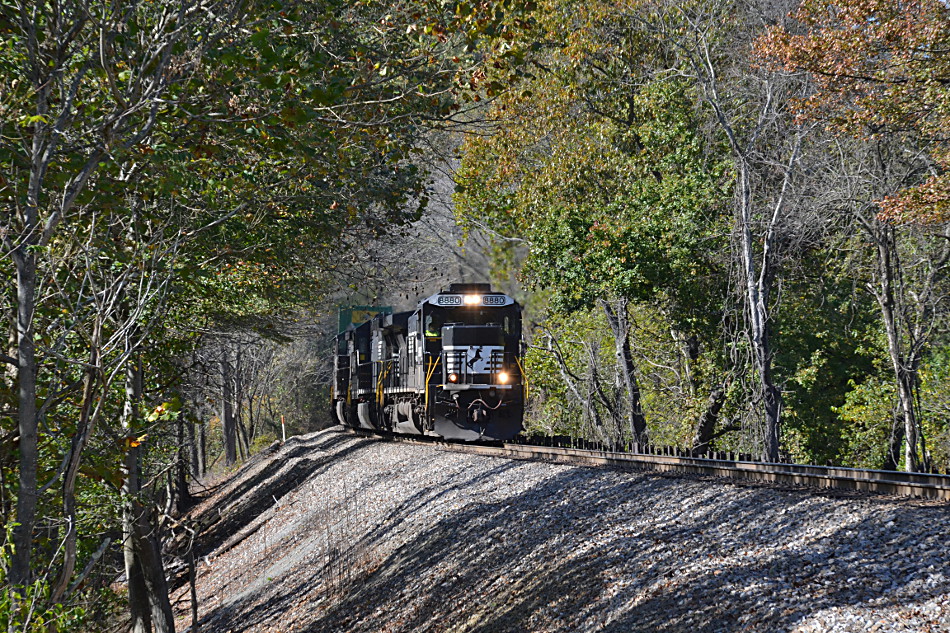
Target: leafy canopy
879 68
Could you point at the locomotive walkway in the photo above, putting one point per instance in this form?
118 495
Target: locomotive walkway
333 532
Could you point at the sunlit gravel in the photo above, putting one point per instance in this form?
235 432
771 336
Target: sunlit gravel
336 533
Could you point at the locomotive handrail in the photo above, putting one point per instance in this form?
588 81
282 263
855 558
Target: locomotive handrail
384 371
523 376
429 374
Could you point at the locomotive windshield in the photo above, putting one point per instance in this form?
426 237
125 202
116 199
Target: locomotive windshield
470 316
464 334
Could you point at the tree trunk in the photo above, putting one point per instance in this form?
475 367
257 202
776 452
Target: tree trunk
84 428
182 494
620 326
192 582
25 262
773 414
150 553
243 445
893 457
139 611
770 393
202 447
906 382
228 428
905 370
757 287
252 429
689 346
193 462
706 427
149 607
239 418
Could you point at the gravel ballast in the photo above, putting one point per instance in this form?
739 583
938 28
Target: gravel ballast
337 533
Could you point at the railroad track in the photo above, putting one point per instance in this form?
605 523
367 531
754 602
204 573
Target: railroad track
920 485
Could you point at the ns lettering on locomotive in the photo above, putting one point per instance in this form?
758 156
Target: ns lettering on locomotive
451 368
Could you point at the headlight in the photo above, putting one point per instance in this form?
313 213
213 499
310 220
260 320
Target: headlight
503 377
453 377
472 300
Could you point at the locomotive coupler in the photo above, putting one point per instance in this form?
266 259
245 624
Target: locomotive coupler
479 414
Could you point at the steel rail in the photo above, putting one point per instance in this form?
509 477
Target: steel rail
920 485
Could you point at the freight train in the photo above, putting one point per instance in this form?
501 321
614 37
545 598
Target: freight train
451 368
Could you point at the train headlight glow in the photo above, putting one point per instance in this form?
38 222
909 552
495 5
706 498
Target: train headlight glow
503 377
453 377
472 300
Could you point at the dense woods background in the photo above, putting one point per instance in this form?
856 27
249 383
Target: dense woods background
729 222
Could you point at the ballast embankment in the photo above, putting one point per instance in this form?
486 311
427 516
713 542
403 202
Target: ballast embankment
332 532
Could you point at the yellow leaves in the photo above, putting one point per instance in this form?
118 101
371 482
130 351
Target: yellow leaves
873 64
27 121
927 203
134 442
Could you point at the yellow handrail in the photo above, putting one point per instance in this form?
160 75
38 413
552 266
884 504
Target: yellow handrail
429 373
524 378
379 384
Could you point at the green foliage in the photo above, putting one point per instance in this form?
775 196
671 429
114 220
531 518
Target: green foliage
869 408
27 609
261 442
672 386
603 217
868 414
819 360
552 409
197 177
935 405
602 167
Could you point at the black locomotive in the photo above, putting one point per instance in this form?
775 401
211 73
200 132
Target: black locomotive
451 368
